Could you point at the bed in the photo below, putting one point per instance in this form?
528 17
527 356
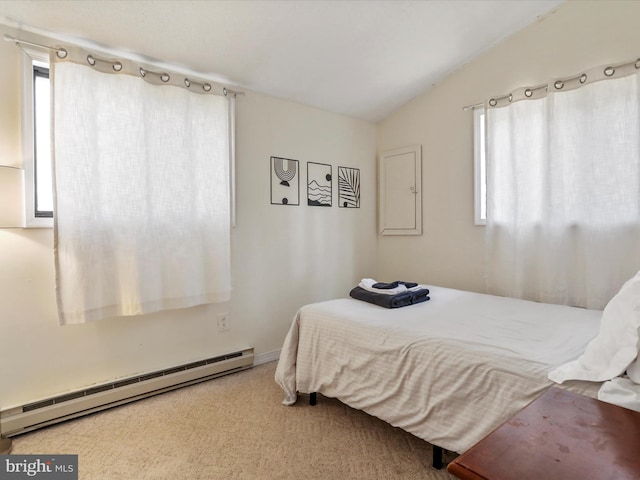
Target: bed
448 370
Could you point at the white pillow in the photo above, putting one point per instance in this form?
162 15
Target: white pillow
633 371
621 391
615 347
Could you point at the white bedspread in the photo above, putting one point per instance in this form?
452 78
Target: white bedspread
449 370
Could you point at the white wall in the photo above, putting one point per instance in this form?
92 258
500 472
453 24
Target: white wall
579 35
282 258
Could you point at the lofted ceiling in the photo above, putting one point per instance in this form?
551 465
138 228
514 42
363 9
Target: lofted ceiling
362 58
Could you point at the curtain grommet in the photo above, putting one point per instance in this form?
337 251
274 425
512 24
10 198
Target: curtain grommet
143 72
493 102
528 93
165 77
62 53
117 66
609 71
558 84
91 61
583 78
187 83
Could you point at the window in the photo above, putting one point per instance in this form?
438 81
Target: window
142 192
42 143
562 189
36 138
480 167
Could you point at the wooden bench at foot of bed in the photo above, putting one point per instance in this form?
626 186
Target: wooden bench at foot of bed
559 435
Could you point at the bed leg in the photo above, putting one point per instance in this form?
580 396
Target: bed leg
437 457
313 398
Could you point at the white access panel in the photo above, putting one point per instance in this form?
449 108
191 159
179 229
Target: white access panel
400 191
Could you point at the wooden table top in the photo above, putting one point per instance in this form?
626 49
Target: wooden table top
559 436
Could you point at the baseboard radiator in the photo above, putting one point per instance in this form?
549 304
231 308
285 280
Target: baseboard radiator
25 418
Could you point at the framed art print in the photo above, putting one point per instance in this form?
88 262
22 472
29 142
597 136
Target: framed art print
285 181
319 182
348 187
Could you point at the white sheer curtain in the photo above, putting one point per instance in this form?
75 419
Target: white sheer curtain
563 194
141 195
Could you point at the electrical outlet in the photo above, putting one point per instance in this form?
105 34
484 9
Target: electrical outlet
223 322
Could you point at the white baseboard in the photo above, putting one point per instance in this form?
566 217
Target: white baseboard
49 411
266 357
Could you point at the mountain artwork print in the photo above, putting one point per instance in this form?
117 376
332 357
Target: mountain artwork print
319 181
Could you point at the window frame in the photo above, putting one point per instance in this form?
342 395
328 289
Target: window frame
31 57
479 167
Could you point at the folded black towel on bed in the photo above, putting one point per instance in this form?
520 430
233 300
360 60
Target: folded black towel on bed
390 301
389 286
382 299
419 296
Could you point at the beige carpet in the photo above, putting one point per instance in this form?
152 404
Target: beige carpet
235 427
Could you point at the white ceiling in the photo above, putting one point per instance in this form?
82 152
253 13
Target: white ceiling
362 58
